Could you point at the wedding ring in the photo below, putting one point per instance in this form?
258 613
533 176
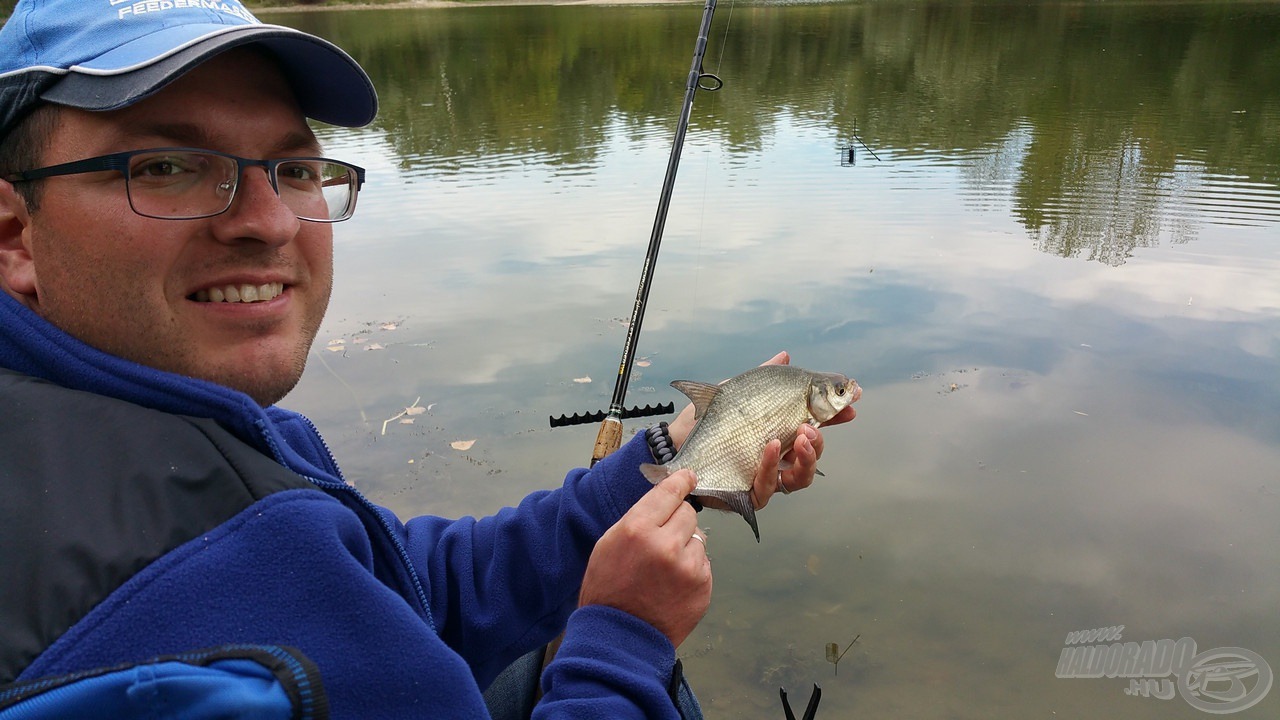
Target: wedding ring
700 539
781 485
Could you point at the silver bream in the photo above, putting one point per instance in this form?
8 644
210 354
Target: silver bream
736 420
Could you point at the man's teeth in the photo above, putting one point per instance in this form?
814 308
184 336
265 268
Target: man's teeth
240 293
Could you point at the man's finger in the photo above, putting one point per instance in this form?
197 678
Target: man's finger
782 358
816 440
844 416
805 464
766 480
808 442
663 500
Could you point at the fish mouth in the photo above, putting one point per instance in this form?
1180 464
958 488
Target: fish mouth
238 293
854 390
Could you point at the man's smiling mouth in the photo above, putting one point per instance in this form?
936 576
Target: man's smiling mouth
239 293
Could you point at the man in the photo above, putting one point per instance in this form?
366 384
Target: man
171 542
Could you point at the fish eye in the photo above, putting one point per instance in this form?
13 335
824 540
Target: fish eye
840 390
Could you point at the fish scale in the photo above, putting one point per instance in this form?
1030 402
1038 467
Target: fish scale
739 417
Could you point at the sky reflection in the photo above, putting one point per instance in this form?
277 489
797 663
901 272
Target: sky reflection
1066 330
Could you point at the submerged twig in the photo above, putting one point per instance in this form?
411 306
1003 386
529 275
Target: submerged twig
834 656
413 409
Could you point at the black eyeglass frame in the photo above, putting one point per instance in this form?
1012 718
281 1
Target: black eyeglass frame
119 162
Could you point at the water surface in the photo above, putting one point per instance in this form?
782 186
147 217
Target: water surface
1052 262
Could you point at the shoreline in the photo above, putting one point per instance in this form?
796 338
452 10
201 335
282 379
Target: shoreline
409 4
405 4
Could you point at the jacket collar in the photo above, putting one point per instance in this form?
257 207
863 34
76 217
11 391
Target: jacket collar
29 344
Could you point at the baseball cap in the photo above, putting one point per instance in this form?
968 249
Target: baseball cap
109 54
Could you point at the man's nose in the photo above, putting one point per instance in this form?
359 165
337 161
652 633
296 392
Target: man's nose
257 211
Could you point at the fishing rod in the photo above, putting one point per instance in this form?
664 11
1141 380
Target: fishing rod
610 435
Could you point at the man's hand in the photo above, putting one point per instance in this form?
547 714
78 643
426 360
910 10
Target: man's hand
802 455
650 564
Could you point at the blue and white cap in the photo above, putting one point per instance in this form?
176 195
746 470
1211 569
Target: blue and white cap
109 54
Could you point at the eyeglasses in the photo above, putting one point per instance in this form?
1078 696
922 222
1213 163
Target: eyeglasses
189 183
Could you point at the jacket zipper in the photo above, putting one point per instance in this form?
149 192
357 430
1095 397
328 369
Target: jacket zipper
342 486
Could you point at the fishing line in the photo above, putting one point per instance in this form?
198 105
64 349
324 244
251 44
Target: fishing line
724 40
706 168
364 418
610 435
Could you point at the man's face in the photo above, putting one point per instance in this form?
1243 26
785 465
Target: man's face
138 287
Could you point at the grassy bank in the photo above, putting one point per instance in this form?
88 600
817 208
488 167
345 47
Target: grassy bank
259 6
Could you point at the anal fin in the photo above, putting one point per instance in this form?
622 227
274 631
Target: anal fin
738 501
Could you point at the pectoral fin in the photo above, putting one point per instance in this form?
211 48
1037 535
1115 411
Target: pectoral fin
654 473
739 501
787 465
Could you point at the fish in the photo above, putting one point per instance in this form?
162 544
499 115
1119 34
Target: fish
736 419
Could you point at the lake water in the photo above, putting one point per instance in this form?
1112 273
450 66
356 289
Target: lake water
1052 261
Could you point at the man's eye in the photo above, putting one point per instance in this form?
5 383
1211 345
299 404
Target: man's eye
298 171
163 167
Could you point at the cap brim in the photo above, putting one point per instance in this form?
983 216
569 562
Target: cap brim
328 84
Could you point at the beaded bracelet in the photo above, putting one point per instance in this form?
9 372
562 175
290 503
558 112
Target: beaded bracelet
659 439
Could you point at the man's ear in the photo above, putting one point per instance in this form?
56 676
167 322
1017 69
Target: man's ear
17 266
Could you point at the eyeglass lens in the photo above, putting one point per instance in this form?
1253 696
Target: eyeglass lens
187 184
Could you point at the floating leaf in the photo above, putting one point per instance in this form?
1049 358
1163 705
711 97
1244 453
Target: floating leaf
337 341
376 346
389 326
584 379
406 421
336 348
643 363
416 409
462 444
813 564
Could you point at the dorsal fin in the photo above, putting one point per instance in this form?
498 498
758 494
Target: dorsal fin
700 393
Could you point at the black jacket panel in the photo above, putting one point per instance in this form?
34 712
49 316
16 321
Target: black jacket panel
79 516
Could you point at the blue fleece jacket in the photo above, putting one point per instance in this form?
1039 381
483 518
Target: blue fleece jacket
403 619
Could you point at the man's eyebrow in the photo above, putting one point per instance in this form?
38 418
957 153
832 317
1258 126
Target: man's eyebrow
292 143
